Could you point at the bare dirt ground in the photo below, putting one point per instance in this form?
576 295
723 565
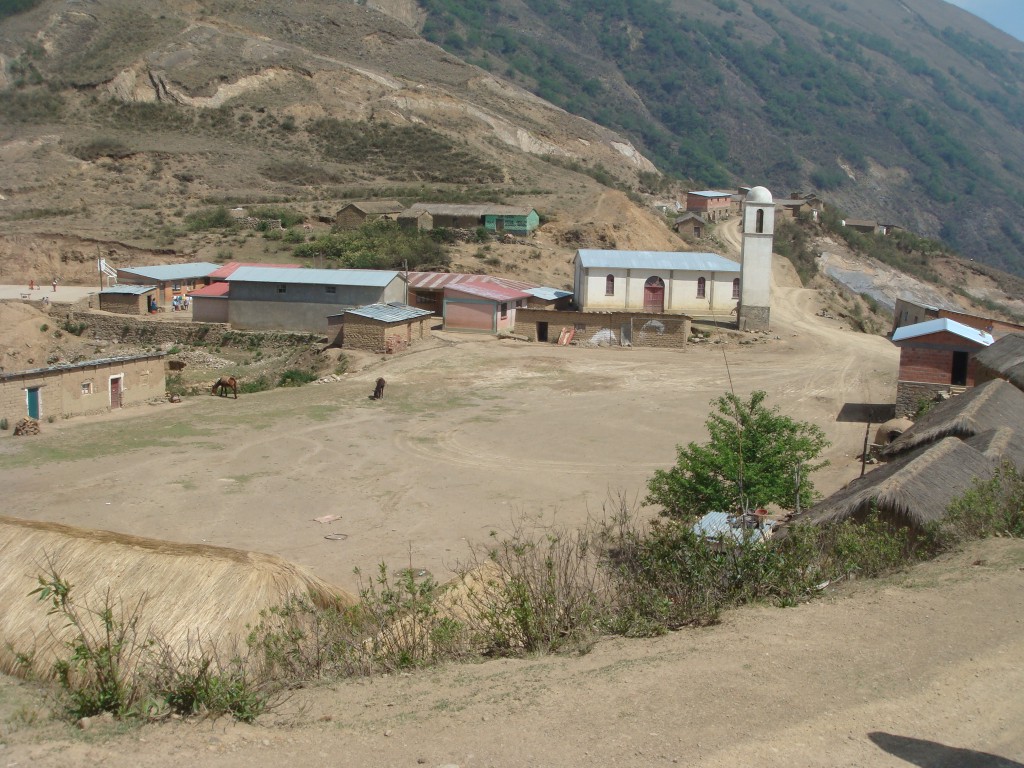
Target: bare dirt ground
473 434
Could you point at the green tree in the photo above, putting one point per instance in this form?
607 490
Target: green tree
755 457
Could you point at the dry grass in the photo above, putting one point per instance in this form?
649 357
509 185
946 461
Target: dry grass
190 592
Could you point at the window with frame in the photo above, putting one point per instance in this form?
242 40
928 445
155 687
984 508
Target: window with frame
331 288
175 286
701 287
609 285
504 310
736 288
86 387
282 288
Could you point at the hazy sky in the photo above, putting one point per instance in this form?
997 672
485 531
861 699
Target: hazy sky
1007 15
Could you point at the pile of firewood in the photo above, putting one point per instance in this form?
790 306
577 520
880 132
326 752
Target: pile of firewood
26 427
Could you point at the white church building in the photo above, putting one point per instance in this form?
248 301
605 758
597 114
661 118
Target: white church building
696 284
656 281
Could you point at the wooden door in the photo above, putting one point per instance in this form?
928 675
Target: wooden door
115 392
654 295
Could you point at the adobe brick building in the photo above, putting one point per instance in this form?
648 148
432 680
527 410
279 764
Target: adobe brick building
80 389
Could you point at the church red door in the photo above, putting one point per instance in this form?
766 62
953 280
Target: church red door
654 295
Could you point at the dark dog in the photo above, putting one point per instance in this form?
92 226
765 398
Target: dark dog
378 391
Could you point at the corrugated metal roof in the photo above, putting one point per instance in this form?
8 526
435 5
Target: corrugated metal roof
166 272
719 525
229 269
212 291
711 193
548 294
82 364
376 206
493 291
680 260
436 281
394 312
939 325
136 290
450 209
359 277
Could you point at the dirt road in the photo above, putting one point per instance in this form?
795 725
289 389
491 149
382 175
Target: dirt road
921 669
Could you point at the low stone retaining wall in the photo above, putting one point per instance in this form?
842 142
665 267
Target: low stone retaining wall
144 330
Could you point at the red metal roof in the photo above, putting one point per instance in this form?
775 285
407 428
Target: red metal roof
437 281
494 291
228 269
212 290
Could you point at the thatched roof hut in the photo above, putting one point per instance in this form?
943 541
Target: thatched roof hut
992 405
914 490
190 592
1004 360
1003 444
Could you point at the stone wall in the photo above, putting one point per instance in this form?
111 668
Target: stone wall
374 336
147 330
910 394
754 318
638 329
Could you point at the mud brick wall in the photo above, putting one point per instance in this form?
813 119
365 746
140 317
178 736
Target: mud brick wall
641 329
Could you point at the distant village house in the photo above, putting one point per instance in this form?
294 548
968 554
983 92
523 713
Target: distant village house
356 214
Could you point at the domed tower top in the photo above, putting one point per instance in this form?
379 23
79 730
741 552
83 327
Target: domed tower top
759 195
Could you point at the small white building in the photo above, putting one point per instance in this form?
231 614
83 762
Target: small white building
697 284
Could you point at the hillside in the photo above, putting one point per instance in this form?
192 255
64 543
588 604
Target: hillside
908 112
119 120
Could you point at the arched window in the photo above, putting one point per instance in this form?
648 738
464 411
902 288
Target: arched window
609 285
701 284
736 288
759 226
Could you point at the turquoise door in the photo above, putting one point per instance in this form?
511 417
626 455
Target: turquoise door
33 403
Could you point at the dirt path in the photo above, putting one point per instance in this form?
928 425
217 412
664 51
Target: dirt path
920 669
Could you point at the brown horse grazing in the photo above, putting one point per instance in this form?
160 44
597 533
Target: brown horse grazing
224 383
378 391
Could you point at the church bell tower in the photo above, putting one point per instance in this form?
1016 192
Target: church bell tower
758 222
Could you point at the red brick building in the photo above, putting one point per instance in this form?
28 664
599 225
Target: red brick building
936 359
712 205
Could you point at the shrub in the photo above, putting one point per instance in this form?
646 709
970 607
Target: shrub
259 384
993 507
4 425
295 377
100 674
533 591
209 218
44 327
114 666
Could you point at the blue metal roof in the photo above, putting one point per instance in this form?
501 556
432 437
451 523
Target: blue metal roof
939 325
680 260
394 312
163 273
548 294
711 193
359 277
137 290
